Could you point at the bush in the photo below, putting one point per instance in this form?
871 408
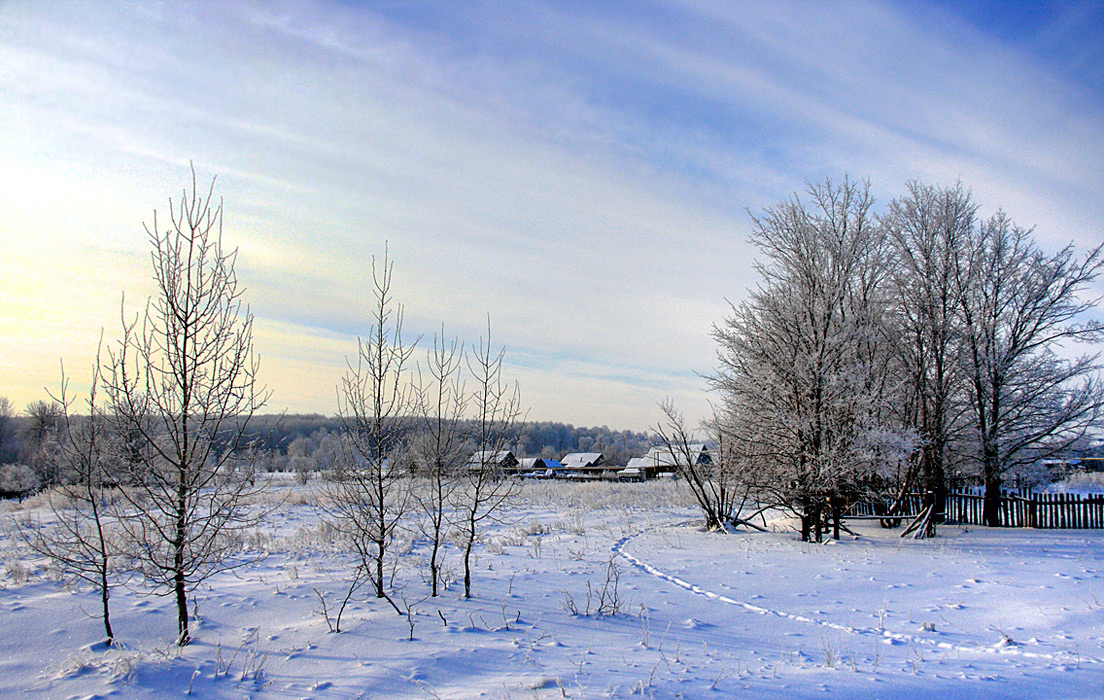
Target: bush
18 480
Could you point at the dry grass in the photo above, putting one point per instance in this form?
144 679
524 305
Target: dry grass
590 496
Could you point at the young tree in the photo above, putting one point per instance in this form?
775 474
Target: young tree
1018 305
83 540
438 449
181 385
369 494
496 408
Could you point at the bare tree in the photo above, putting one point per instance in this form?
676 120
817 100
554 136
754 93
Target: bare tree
1018 305
369 494
715 484
181 385
43 418
84 539
439 447
497 413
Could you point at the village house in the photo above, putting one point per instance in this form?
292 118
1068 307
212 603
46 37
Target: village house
540 467
661 460
502 460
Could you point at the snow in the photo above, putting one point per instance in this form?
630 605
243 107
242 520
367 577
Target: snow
1082 482
972 613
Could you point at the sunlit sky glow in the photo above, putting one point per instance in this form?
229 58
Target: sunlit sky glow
580 171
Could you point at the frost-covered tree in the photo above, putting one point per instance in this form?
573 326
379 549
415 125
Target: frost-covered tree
928 228
1018 305
18 480
8 447
39 436
804 374
921 338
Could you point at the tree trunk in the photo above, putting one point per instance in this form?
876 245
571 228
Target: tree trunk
379 571
179 583
434 567
104 595
818 522
990 505
837 515
935 478
467 566
181 609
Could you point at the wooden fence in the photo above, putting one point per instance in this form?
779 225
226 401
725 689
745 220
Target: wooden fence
1017 509
1029 509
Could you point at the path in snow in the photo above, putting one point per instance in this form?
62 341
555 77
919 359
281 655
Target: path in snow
887 636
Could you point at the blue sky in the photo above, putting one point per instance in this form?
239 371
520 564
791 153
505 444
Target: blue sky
580 171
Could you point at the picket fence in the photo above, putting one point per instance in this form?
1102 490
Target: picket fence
1017 509
1031 509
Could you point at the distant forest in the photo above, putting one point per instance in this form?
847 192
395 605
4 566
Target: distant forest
303 435
309 441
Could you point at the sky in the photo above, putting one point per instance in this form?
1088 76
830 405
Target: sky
583 174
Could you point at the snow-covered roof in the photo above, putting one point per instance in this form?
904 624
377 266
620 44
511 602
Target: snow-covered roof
491 457
576 460
661 456
537 463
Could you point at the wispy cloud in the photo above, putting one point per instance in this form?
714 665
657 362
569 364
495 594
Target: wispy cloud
578 171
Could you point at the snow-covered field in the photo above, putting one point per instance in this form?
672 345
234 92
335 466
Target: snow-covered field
975 613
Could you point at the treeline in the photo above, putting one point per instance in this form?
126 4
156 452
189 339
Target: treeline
278 433
288 442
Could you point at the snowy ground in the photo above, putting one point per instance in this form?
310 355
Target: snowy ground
977 613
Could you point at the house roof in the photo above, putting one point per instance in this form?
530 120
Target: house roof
498 457
661 456
581 459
